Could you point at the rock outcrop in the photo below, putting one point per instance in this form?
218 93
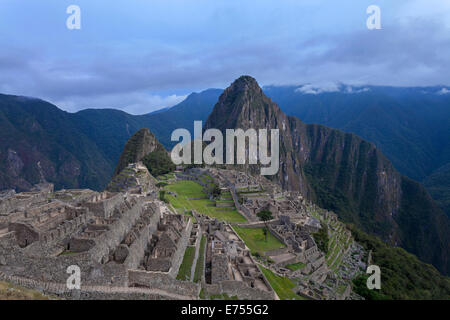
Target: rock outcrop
138 146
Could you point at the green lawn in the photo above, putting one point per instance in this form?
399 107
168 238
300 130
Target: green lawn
190 189
254 239
189 214
296 266
282 285
185 269
186 188
201 258
225 201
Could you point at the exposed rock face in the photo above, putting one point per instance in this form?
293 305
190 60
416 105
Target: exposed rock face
341 172
140 144
14 163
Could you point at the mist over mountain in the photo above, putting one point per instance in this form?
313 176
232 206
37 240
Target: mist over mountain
411 126
401 121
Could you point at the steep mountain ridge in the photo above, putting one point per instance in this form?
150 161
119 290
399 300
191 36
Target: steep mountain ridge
40 142
137 147
342 172
411 125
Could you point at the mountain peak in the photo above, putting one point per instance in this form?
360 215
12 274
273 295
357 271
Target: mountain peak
242 103
138 146
245 83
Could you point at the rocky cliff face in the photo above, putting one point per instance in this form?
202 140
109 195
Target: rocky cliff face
340 172
138 146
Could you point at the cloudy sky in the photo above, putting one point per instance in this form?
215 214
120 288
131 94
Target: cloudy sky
141 55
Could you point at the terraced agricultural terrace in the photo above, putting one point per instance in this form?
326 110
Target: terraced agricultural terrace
255 240
186 195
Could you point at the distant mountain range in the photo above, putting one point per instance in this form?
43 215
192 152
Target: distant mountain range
411 126
78 150
344 173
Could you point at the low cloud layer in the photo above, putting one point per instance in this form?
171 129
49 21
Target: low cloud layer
139 65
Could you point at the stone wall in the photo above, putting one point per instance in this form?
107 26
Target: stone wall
177 258
65 229
224 204
245 212
219 269
21 201
137 248
54 269
257 224
110 239
104 207
198 238
160 280
7 244
96 292
277 235
238 289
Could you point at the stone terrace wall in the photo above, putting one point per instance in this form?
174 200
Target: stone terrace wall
257 224
21 201
105 208
238 289
160 280
7 243
137 248
54 269
68 227
181 176
110 239
93 292
181 248
247 214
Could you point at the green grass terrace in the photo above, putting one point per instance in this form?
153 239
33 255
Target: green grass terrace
187 190
255 240
283 286
184 273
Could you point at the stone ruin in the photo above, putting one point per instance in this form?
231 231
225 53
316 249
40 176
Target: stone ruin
301 247
230 267
112 236
161 251
135 178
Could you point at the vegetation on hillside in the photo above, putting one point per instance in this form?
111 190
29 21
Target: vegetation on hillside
403 276
438 184
321 238
158 162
